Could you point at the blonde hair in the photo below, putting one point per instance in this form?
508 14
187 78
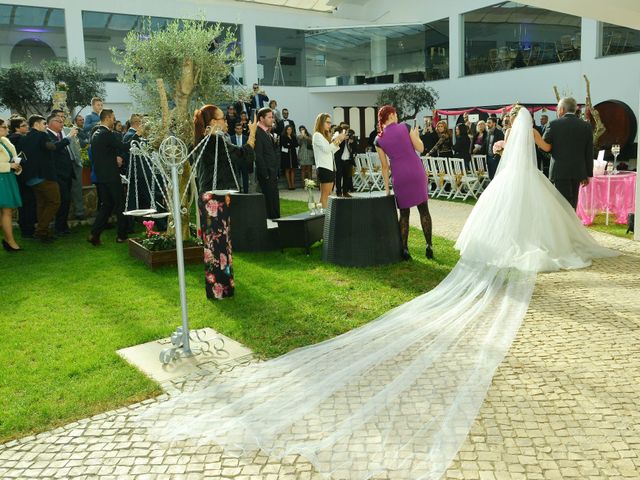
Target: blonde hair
320 126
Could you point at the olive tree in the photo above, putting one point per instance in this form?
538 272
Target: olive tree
408 99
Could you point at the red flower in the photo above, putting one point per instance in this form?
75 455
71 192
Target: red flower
218 290
211 278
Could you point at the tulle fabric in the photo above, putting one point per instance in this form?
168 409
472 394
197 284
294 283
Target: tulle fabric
521 220
398 396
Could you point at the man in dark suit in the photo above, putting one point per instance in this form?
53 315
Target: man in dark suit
544 159
267 162
239 138
242 106
493 135
259 99
285 122
571 141
64 168
107 150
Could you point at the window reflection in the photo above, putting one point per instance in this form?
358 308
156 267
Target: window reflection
511 35
386 54
31 35
280 56
617 40
104 30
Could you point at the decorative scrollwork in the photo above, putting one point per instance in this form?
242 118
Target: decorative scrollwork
197 345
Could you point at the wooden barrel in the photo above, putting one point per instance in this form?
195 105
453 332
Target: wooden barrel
620 122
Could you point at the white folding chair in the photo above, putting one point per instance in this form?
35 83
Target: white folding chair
444 177
375 172
358 176
464 183
481 171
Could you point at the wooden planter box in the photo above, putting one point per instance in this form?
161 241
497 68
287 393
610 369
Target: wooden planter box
192 255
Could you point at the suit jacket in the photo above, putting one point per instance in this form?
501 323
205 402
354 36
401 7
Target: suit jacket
243 140
571 142
242 107
267 155
263 101
61 157
497 136
106 145
280 126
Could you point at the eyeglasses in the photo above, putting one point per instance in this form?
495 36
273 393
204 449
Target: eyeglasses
23 125
3 126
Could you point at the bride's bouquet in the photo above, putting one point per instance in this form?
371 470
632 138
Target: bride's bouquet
498 148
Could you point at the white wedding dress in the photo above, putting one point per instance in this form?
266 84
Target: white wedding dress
398 396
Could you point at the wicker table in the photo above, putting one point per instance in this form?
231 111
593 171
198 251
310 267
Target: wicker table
300 230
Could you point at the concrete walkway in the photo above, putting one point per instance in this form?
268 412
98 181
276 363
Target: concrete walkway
565 403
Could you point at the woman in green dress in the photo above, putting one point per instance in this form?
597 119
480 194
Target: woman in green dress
9 192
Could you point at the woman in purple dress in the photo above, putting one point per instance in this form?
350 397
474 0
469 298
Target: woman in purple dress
398 143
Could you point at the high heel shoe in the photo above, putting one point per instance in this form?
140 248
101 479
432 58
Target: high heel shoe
9 248
406 256
429 252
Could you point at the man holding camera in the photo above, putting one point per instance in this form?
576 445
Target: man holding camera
343 160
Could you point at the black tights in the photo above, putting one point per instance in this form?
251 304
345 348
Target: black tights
425 221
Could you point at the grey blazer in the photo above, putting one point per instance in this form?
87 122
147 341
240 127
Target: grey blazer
571 142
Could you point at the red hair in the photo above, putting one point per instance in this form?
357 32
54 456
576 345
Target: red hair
383 115
201 120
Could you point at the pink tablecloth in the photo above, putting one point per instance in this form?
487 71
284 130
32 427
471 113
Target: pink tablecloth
617 193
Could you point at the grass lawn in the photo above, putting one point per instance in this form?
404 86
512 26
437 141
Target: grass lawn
612 229
67 308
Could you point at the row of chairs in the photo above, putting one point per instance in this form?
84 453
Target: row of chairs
450 177
367 175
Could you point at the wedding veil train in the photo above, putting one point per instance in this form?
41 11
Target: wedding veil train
398 396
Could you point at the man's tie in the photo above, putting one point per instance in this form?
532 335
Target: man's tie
60 136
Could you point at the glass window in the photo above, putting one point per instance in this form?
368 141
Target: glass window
31 35
617 40
511 35
280 56
386 54
104 30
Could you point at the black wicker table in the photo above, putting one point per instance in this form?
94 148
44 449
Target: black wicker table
362 231
300 230
249 230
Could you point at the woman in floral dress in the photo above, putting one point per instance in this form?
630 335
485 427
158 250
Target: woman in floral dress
216 175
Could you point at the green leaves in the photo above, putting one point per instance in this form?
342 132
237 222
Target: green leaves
408 99
22 89
26 89
150 54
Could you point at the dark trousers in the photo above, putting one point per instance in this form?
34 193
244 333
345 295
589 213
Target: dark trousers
111 197
27 213
243 176
492 165
269 188
47 195
344 180
569 189
65 204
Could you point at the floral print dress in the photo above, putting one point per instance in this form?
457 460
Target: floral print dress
215 217
215 223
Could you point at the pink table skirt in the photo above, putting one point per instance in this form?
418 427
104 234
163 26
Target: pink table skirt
620 199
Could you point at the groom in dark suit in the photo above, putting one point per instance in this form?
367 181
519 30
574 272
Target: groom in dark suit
571 142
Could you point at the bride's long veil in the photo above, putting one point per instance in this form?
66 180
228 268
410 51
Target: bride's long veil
396 396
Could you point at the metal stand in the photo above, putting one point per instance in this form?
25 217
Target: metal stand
277 70
173 153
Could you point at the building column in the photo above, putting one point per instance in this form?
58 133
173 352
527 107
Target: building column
250 53
74 34
456 46
378 54
589 40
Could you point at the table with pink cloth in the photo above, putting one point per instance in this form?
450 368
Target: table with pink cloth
613 193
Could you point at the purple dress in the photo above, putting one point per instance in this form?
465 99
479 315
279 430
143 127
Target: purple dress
407 171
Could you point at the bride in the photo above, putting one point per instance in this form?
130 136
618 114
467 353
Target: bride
398 396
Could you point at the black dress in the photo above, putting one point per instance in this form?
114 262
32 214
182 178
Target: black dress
215 221
288 158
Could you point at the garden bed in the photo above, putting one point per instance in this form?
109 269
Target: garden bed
154 259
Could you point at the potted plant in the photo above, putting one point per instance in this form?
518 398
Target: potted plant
157 249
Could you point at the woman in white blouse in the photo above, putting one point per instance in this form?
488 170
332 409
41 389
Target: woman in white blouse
323 150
